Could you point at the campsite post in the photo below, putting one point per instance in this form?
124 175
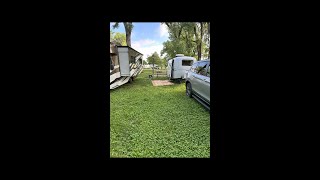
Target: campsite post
153 65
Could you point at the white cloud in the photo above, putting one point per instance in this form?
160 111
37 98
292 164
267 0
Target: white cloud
163 30
147 47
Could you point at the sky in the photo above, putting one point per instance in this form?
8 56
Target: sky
146 37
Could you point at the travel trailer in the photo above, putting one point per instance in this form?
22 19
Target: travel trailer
125 64
178 66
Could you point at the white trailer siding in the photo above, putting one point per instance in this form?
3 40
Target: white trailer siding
179 67
114 76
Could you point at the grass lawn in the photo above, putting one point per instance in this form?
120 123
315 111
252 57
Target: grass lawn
148 121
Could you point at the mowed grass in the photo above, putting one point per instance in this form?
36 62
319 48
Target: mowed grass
148 121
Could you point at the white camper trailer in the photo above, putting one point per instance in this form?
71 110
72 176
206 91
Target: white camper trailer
178 66
125 64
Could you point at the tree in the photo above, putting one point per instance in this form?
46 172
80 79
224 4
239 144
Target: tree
111 34
188 38
164 62
128 26
181 40
155 59
176 46
208 38
198 31
119 38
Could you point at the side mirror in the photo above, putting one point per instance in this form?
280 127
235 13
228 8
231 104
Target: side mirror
111 67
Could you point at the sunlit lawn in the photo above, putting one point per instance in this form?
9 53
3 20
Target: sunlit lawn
148 121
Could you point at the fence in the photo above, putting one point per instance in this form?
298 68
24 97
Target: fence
158 73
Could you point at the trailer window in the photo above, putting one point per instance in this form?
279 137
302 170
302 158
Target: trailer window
187 62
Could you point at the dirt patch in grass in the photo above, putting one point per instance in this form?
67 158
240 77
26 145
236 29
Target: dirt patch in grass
161 83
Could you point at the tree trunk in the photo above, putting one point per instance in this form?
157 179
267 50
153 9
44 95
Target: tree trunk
128 33
180 30
128 38
168 24
200 41
199 52
197 41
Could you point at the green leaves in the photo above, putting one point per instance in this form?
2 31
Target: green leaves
119 38
116 25
155 59
128 26
188 38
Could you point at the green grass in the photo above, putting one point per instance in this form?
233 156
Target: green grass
148 121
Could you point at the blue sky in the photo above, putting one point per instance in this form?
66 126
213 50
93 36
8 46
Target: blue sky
146 37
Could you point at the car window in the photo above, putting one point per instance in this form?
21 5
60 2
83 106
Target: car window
198 68
193 67
208 71
201 68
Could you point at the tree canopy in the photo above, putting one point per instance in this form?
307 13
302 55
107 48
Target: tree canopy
118 37
128 26
155 59
188 38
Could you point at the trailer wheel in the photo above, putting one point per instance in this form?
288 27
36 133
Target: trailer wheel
189 90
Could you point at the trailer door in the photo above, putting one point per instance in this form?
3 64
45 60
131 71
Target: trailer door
124 61
172 69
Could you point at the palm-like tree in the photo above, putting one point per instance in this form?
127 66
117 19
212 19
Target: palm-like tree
128 27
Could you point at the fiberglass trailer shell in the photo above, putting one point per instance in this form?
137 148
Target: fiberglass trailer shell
125 64
178 66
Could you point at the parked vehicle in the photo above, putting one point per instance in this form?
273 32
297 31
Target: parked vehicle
178 66
147 66
125 64
198 82
155 67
